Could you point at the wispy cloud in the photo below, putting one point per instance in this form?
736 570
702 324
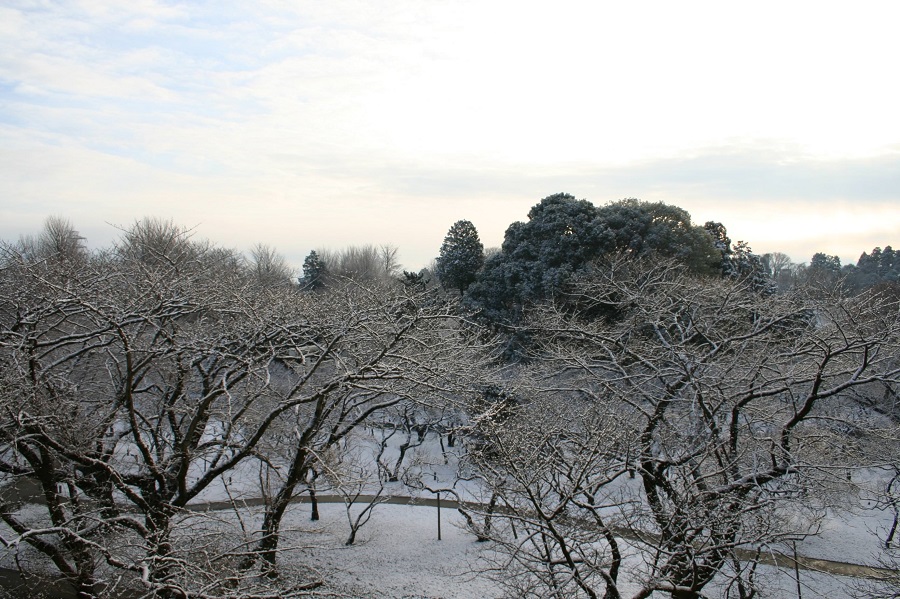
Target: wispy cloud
308 123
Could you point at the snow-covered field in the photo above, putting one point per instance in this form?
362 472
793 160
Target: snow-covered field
850 535
397 553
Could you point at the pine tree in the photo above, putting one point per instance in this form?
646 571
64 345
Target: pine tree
314 272
462 255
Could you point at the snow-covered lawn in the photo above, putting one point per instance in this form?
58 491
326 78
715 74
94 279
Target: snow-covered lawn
397 555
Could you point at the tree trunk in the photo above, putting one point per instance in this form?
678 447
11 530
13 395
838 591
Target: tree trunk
395 474
268 544
314 503
78 567
489 514
158 521
352 538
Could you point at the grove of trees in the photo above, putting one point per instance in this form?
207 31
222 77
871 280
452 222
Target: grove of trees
563 236
696 417
645 406
135 378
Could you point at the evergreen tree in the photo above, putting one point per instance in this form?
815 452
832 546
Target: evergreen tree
314 272
879 267
417 281
720 238
739 261
825 263
461 257
750 267
889 265
640 228
564 235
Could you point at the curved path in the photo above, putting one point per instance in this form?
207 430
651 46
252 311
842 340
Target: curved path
13 580
771 558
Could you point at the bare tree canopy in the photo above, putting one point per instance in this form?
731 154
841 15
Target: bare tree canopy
697 417
270 267
665 427
135 380
361 263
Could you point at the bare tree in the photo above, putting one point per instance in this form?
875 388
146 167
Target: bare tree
363 264
780 267
159 243
879 486
378 347
776 262
730 406
134 381
390 260
353 476
58 241
269 266
559 517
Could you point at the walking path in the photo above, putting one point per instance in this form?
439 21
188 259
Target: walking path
12 580
770 558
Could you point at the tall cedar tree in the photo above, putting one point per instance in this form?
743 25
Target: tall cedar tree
314 272
462 255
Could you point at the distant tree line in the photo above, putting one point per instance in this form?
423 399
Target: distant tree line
565 236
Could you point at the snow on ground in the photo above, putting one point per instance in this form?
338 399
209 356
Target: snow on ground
396 554
776 583
399 547
847 537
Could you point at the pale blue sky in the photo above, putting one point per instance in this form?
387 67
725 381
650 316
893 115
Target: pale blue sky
323 124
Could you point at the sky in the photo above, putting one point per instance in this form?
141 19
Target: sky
309 124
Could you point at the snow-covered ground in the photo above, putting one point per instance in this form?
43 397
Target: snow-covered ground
850 535
397 554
